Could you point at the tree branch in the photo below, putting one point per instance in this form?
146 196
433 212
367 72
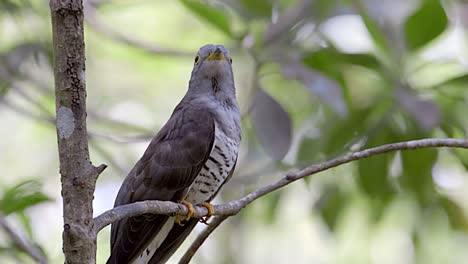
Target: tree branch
233 207
23 244
201 239
78 175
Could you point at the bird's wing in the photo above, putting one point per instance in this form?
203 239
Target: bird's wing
165 172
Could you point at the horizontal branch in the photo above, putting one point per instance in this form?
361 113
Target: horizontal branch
232 208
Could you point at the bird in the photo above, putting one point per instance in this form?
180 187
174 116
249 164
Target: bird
188 161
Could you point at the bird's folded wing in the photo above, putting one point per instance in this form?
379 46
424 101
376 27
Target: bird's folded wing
165 172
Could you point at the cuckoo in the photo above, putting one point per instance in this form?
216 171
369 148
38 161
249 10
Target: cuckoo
188 161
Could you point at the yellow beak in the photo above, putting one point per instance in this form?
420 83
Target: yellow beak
216 55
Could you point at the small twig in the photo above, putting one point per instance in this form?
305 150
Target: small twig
20 241
93 20
233 207
201 239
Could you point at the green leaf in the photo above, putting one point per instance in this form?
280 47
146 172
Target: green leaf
210 14
26 223
4 87
22 196
425 24
461 81
308 151
342 133
417 172
374 177
260 7
332 205
456 131
375 32
455 213
325 61
329 60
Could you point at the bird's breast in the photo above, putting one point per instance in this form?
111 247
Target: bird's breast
216 169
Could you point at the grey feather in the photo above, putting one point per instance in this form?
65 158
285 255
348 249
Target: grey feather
172 166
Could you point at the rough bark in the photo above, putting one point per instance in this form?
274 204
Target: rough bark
78 175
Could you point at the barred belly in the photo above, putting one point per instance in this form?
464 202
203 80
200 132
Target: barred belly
216 169
212 176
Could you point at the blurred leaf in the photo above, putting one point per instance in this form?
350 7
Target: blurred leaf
308 151
272 202
374 177
376 33
272 125
458 219
417 172
425 24
4 87
457 132
425 112
331 205
328 90
212 15
325 8
26 223
342 133
330 60
461 81
260 7
22 196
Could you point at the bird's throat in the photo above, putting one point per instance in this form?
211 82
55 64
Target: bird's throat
214 84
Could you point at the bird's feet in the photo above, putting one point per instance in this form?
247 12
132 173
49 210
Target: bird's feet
210 209
191 211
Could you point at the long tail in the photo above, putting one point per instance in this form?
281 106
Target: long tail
173 241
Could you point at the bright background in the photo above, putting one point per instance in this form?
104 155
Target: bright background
315 80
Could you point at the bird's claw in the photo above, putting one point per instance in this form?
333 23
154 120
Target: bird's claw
191 211
210 209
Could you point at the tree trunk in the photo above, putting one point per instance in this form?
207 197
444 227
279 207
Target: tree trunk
78 175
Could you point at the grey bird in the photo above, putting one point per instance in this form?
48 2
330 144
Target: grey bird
188 161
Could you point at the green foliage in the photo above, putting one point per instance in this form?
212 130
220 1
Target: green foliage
417 173
377 35
374 172
351 100
259 7
22 196
425 24
210 14
332 206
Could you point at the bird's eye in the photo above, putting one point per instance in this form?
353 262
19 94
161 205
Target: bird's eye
197 58
230 60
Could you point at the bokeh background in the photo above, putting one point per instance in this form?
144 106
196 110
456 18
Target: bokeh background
315 79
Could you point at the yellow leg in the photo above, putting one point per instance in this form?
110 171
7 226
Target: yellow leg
190 209
210 209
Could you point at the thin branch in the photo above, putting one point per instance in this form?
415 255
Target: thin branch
201 239
20 241
233 207
96 23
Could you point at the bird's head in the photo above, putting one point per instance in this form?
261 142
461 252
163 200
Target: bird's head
212 71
